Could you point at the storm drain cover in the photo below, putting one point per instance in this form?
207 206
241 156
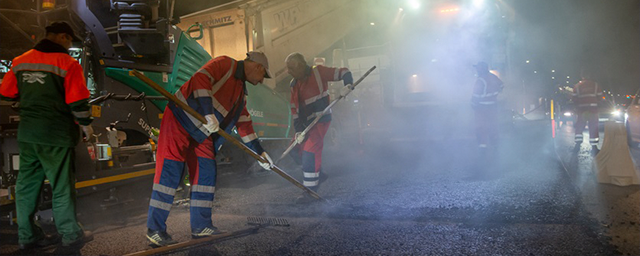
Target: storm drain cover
267 221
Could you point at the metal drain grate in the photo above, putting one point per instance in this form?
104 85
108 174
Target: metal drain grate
268 221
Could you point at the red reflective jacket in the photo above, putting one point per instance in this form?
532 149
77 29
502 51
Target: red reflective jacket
586 94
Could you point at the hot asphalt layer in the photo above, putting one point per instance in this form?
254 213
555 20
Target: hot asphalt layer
431 198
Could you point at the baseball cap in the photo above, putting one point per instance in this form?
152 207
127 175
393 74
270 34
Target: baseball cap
61 27
482 65
261 59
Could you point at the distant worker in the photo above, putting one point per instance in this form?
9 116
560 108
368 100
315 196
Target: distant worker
586 95
53 96
217 91
485 104
309 97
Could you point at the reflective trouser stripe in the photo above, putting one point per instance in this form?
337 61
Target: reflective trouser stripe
164 189
201 203
311 179
203 189
310 183
311 175
160 205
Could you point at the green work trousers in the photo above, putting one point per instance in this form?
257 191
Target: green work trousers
56 164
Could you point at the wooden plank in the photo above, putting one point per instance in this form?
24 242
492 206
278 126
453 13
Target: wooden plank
196 242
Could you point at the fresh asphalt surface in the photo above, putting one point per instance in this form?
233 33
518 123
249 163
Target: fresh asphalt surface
432 197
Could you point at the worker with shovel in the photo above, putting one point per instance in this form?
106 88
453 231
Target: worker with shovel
309 98
217 92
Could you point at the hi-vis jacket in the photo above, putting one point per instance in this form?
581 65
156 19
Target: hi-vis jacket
586 94
486 90
53 95
310 96
217 88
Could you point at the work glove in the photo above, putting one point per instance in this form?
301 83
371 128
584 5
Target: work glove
266 166
88 131
212 124
300 137
346 90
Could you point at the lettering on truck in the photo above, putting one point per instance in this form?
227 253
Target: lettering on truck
145 126
218 22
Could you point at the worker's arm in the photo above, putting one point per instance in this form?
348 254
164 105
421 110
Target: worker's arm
298 124
9 87
479 91
246 132
77 94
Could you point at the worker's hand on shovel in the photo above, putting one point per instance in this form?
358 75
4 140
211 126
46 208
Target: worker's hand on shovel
346 89
267 166
212 124
300 137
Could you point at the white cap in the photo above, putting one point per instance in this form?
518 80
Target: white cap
261 59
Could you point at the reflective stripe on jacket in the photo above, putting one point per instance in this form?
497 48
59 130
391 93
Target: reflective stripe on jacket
486 90
215 89
586 94
53 95
310 96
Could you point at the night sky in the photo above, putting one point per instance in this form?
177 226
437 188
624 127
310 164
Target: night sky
572 34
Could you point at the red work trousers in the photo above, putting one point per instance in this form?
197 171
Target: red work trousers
311 152
175 147
587 116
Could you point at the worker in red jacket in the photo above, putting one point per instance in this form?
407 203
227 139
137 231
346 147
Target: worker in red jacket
216 91
309 97
485 104
586 95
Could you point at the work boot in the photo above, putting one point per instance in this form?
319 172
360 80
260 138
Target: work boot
42 243
73 247
87 236
159 238
205 232
305 198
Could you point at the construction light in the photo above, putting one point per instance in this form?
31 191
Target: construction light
415 4
616 113
449 10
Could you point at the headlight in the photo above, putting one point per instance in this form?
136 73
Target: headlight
568 113
616 113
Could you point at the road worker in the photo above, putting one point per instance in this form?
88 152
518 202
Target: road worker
309 97
53 96
485 105
217 91
586 95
